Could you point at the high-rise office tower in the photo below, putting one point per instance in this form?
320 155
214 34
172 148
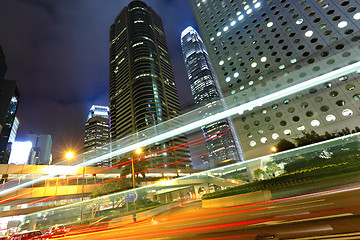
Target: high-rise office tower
42 144
97 131
142 87
260 47
220 142
9 101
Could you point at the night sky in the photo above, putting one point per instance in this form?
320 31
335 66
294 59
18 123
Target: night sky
58 53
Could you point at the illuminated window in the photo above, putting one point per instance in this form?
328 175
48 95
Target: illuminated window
315 123
347 112
330 118
275 136
342 24
301 128
309 33
287 131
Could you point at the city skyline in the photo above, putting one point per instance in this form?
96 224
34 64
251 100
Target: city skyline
63 68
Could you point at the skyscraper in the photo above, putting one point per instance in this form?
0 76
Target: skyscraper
260 47
9 101
97 131
219 136
142 87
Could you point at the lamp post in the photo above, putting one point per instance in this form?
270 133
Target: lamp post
138 151
273 149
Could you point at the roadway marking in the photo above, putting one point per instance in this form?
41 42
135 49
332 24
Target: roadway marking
283 210
191 223
323 217
300 203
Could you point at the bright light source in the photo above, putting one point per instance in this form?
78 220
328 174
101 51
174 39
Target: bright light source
138 151
273 149
69 155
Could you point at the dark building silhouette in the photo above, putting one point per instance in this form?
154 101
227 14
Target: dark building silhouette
142 87
3 66
9 101
220 140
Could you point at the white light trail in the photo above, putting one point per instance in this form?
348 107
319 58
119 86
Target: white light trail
213 118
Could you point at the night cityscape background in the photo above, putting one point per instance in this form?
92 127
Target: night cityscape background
179 119
58 53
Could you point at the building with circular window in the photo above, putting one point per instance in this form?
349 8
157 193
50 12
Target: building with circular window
272 45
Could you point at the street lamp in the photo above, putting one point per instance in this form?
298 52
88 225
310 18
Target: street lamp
138 151
69 155
274 149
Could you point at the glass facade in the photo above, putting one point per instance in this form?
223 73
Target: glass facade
220 142
142 87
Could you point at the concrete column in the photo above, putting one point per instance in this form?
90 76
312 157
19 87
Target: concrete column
33 222
251 166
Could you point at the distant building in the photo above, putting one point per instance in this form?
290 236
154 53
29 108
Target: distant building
220 141
22 153
142 87
42 144
97 131
9 101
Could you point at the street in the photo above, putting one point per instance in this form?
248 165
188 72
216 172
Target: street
313 214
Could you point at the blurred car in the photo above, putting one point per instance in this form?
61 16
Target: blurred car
29 235
55 231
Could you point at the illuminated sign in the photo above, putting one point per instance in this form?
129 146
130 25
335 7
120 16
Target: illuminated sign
20 153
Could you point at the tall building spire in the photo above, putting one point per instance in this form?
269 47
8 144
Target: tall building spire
220 140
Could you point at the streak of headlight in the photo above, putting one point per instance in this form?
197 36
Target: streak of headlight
230 237
213 118
189 230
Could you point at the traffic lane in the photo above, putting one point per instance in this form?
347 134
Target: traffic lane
192 219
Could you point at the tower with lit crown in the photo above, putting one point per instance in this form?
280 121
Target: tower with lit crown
220 142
